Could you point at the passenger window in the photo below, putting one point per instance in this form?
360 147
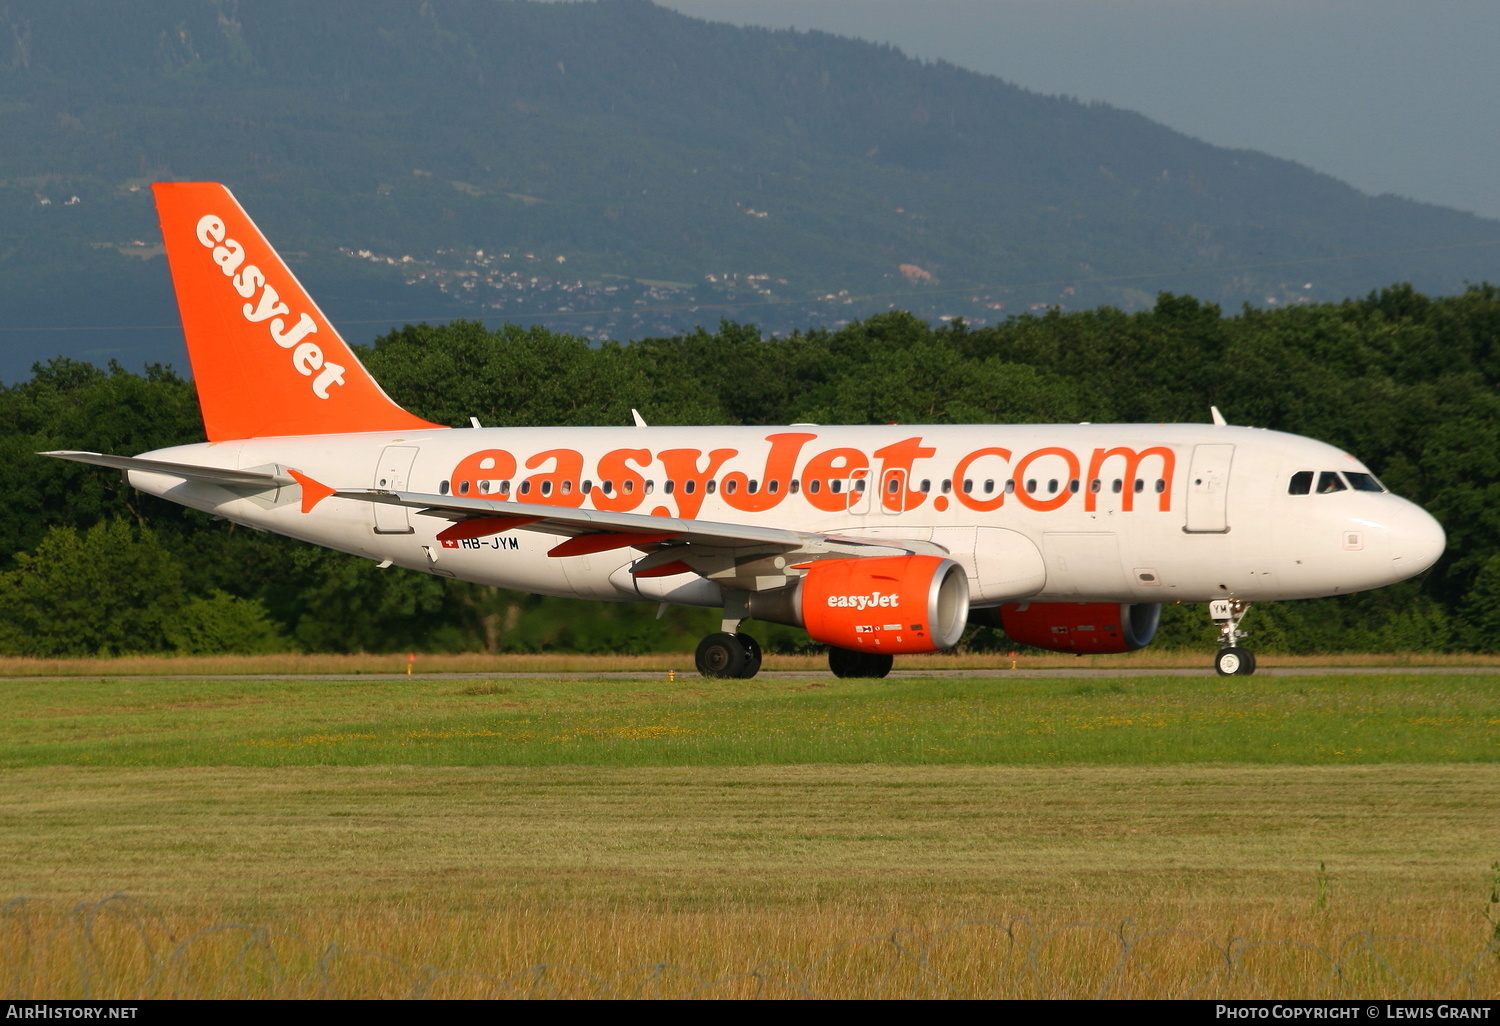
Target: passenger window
754 486
1301 483
1140 485
893 486
650 487
668 486
859 486
1031 486
730 487
690 487
567 487
1161 486
546 488
1363 482
814 486
588 486
1010 487
1117 486
796 486
989 487
1329 481
835 486
1073 486
1052 487
968 485
1095 485
947 487
442 487
711 486
484 486
463 488
926 486
629 487
504 487
608 487
773 487
525 487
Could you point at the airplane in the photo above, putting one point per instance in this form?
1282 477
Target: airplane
878 540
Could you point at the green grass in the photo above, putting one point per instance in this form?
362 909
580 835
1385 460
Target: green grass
692 722
1323 837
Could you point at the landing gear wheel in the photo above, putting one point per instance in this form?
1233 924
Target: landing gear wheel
721 655
845 663
752 655
728 655
1234 662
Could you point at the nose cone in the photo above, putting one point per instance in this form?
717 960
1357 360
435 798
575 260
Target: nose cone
1417 540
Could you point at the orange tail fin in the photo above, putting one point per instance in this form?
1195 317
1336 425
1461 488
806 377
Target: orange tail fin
265 359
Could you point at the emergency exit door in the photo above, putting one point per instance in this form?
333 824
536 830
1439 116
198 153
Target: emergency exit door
392 475
1208 489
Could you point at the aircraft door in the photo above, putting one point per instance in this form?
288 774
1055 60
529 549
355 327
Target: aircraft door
392 474
859 492
1208 489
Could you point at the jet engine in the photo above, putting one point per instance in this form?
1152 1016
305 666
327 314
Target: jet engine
886 604
1081 627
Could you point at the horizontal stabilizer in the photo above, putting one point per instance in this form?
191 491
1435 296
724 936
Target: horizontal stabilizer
212 475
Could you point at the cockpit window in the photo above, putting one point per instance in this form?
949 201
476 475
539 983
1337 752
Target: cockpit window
1363 482
1329 481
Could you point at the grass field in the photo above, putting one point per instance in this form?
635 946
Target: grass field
1137 837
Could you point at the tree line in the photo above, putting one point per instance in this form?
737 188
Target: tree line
1405 381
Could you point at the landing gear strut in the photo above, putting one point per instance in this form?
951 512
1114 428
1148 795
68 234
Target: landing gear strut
1232 660
846 663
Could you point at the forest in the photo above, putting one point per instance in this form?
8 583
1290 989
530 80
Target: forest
1405 381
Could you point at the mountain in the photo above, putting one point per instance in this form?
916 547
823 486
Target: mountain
617 169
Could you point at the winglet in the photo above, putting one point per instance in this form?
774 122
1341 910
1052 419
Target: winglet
313 492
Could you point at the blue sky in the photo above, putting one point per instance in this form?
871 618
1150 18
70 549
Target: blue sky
1399 96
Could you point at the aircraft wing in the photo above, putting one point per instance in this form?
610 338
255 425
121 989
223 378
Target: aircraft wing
212 475
709 548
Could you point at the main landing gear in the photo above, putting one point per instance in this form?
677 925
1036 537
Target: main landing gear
732 655
845 663
728 654
1232 660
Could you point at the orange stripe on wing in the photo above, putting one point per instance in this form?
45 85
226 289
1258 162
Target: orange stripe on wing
483 527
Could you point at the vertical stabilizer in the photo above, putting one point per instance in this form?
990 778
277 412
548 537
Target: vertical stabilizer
265 359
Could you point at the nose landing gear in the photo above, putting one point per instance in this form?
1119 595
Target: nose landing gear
1232 660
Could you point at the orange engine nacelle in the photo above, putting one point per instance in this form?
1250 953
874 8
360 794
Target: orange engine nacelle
1081 627
888 604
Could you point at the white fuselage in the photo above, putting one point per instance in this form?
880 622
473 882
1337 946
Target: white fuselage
1066 513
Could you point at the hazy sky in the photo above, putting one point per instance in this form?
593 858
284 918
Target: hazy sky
1398 96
